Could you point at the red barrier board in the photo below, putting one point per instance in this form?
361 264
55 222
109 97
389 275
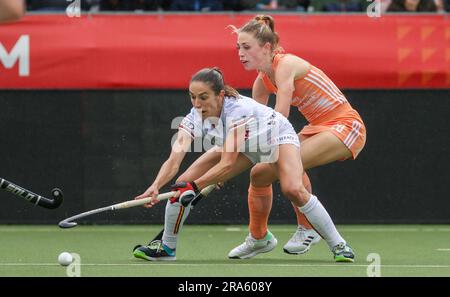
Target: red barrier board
162 51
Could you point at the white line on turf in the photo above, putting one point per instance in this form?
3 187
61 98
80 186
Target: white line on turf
233 229
443 250
229 264
105 228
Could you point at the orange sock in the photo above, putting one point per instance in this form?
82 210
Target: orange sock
301 219
259 206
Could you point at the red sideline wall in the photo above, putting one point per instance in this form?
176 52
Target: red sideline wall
163 51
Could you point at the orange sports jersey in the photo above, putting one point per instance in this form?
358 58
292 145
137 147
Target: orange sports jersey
324 107
315 94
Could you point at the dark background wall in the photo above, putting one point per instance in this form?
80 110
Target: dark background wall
103 147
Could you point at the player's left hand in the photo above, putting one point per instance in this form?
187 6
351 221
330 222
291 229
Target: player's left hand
152 192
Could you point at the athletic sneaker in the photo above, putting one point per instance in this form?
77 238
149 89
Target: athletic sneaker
343 253
155 251
251 247
301 241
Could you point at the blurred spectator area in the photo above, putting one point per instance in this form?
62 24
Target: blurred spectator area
54 5
240 5
415 5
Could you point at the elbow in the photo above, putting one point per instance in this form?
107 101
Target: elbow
18 14
285 113
15 14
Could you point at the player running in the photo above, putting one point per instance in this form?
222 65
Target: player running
243 133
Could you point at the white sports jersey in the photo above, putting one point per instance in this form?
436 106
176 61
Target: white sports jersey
265 128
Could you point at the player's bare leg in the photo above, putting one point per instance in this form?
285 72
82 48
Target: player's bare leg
292 187
317 150
321 149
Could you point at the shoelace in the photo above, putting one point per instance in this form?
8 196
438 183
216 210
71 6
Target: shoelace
300 233
341 247
249 241
156 245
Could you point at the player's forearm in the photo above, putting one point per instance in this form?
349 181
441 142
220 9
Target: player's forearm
223 170
172 165
168 171
261 99
283 105
219 173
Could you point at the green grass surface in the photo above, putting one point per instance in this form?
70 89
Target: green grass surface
411 250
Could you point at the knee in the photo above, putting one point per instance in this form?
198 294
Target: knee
291 192
257 178
296 193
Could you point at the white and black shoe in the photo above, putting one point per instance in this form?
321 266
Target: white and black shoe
301 241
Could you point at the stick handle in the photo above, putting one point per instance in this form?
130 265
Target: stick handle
208 190
160 197
133 203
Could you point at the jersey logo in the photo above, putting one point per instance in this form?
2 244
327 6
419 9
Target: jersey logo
339 127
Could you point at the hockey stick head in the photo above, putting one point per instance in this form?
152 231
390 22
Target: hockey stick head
49 203
58 198
71 222
66 224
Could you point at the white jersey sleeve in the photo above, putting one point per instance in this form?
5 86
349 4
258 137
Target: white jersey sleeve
191 124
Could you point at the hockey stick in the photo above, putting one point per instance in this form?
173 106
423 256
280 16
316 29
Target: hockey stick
32 197
69 222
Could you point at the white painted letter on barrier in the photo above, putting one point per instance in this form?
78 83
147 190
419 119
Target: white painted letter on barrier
374 9
73 9
21 52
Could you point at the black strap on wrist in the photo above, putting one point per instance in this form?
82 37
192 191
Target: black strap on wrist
195 187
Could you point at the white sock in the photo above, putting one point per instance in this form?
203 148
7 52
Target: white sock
321 221
171 229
